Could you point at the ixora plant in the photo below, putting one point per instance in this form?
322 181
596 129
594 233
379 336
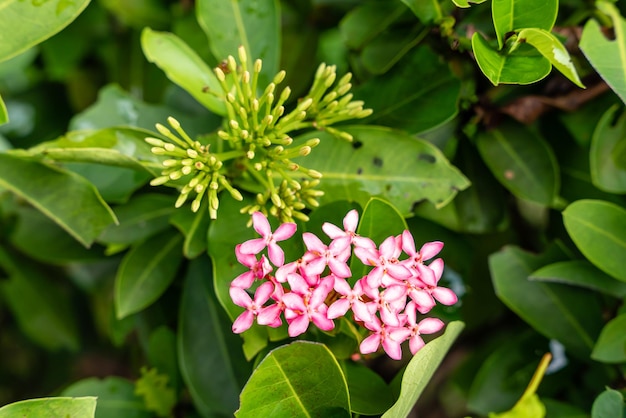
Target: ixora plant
240 207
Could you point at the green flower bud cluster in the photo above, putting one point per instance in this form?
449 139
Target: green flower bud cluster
256 133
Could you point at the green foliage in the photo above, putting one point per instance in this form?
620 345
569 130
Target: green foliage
67 407
153 387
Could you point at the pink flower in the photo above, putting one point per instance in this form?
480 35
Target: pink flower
430 276
387 269
257 269
253 306
320 256
305 306
389 337
425 326
351 299
348 235
268 239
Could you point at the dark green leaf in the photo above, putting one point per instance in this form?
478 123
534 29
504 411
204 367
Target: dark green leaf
183 67
116 397
598 229
607 56
208 352
19 17
421 368
194 226
610 132
365 22
40 307
551 48
426 11
400 99
146 271
611 344
78 209
385 163
609 404
287 384
139 13
51 407
162 355
555 409
511 15
523 162
580 273
369 394
386 50
570 315
253 24
524 66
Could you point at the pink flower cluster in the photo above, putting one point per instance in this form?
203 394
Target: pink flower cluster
314 288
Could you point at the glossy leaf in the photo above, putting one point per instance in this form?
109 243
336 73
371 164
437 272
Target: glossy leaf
383 52
195 227
524 66
426 11
580 273
209 354
598 229
84 216
116 397
609 404
511 15
146 271
385 163
550 47
369 394
421 368
41 309
611 344
51 17
4 115
365 22
401 100
51 407
561 312
253 24
287 384
184 67
466 3
610 132
607 56
522 162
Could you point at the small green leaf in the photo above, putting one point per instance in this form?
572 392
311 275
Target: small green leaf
157 395
51 407
287 384
609 404
428 11
4 115
522 162
512 15
580 273
598 229
608 57
79 209
27 23
606 173
253 24
116 397
195 227
146 271
184 67
466 3
385 163
366 21
551 48
420 370
524 66
369 394
611 344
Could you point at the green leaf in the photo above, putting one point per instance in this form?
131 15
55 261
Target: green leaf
116 397
385 163
610 132
524 66
580 273
40 306
157 394
4 115
611 344
253 24
369 394
366 21
466 3
302 379
522 162
609 404
528 407
551 48
209 353
401 100
161 353
143 216
194 226
51 407
83 216
184 67
512 15
27 23
570 315
428 11
598 229
146 271
384 51
608 57
420 370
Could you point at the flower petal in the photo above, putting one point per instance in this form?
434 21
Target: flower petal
445 296
253 246
416 343
338 308
370 344
240 297
351 220
261 225
243 322
298 325
285 231
276 254
430 325
430 249
333 231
